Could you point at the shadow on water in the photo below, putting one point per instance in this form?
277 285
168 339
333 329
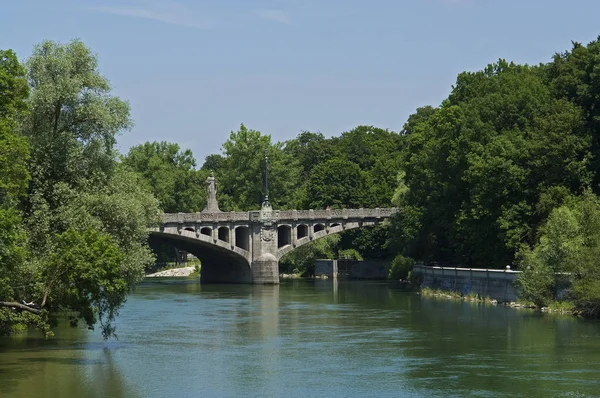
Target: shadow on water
73 372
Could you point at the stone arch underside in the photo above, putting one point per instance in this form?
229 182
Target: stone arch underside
219 264
338 228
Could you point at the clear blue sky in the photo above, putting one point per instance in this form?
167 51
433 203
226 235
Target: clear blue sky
194 70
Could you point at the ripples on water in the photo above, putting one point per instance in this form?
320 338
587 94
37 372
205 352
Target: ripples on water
308 339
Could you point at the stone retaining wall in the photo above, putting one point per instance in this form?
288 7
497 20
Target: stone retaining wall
493 283
325 267
370 269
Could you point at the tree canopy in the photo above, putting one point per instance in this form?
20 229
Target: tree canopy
75 223
170 174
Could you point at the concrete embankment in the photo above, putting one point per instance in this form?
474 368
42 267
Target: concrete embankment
493 283
184 271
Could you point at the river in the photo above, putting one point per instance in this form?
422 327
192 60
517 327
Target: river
307 338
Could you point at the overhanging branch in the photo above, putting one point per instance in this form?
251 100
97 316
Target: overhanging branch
14 304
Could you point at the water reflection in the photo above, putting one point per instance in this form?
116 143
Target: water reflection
66 367
308 338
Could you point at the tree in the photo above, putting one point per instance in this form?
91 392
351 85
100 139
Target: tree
86 218
74 120
336 183
478 167
14 176
377 153
574 75
311 149
566 257
242 177
171 175
14 152
213 162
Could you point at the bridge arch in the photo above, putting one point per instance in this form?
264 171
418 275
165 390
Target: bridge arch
220 264
334 228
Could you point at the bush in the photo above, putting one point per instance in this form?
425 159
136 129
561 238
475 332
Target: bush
400 267
196 271
567 254
349 254
537 282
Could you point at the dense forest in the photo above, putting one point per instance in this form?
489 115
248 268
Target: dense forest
506 170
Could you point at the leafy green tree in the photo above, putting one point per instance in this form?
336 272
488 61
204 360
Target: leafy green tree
83 274
573 75
311 149
241 179
566 257
14 177
213 162
478 166
365 145
370 242
377 153
337 183
400 267
13 86
171 175
86 218
74 120
14 151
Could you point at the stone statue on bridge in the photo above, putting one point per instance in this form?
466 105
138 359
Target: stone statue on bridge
212 205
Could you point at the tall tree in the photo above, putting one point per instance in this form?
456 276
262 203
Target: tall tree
213 162
482 168
337 183
242 177
14 154
171 174
86 218
575 75
14 151
74 120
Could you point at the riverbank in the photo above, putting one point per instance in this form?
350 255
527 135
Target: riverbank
562 308
175 272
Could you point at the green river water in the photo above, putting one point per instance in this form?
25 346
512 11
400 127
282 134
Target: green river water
304 338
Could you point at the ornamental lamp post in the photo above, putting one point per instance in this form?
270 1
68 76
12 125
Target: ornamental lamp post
266 201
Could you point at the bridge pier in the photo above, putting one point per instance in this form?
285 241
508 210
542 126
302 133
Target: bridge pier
265 270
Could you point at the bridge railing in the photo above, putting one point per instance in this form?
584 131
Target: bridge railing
204 217
336 213
282 215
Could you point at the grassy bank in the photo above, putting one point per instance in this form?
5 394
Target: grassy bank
556 307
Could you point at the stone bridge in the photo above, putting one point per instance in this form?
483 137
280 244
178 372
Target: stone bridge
245 247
